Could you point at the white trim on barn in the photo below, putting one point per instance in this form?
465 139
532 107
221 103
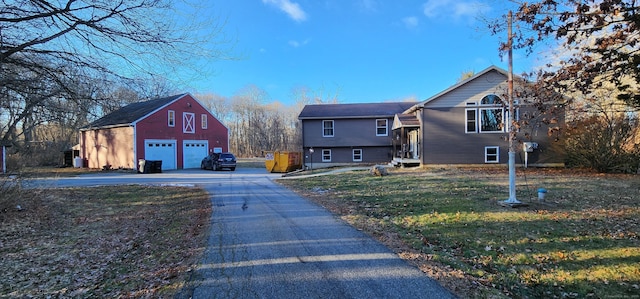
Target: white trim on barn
188 122
193 151
161 149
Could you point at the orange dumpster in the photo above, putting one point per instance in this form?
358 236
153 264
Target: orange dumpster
283 161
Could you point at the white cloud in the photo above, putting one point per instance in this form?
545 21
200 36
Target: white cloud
410 22
290 8
454 8
368 5
432 8
296 44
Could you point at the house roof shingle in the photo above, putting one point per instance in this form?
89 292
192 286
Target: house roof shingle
132 112
405 120
363 110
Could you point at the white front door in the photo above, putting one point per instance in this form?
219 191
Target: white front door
413 144
163 150
193 151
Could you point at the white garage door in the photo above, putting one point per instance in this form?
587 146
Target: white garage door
160 149
193 152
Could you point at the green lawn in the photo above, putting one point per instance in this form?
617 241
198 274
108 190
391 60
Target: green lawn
583 241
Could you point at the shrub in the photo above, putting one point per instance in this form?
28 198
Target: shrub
604 144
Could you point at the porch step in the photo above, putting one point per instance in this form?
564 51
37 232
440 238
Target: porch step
398 162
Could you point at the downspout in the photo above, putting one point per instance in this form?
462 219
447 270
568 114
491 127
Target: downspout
421 135
304 155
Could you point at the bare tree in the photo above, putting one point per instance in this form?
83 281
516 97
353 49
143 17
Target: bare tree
115 37
84 58
305 95
466 75
218 105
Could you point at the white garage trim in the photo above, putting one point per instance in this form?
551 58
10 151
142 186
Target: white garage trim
193 151
161 149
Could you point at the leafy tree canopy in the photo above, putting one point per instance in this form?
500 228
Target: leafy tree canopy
600 42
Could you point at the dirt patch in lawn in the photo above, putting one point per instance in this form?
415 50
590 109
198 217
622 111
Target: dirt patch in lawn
104 242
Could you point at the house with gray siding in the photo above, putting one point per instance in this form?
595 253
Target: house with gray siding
467 124
344 134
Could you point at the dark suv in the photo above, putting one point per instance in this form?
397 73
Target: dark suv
217 161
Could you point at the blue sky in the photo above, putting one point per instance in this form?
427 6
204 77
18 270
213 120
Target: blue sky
361 50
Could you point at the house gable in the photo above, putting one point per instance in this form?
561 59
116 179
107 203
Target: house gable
492 80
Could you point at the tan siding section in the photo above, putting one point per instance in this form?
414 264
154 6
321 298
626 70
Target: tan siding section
473 91
108 147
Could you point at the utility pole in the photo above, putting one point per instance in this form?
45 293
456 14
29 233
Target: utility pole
512 201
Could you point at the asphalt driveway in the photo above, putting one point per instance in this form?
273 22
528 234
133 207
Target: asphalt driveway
268 242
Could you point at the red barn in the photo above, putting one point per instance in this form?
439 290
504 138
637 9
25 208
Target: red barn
177 130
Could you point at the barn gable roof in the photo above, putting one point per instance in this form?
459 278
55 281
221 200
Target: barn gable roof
363 110
132 112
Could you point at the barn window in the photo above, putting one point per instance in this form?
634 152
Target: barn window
188 123
203 121
171 118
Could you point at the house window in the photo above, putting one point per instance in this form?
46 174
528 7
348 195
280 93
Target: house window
188 123
171 118
326 155
491 154
357 155
203 121
508 120
327 128
491 99
381 127
489 117
471 121
491 120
